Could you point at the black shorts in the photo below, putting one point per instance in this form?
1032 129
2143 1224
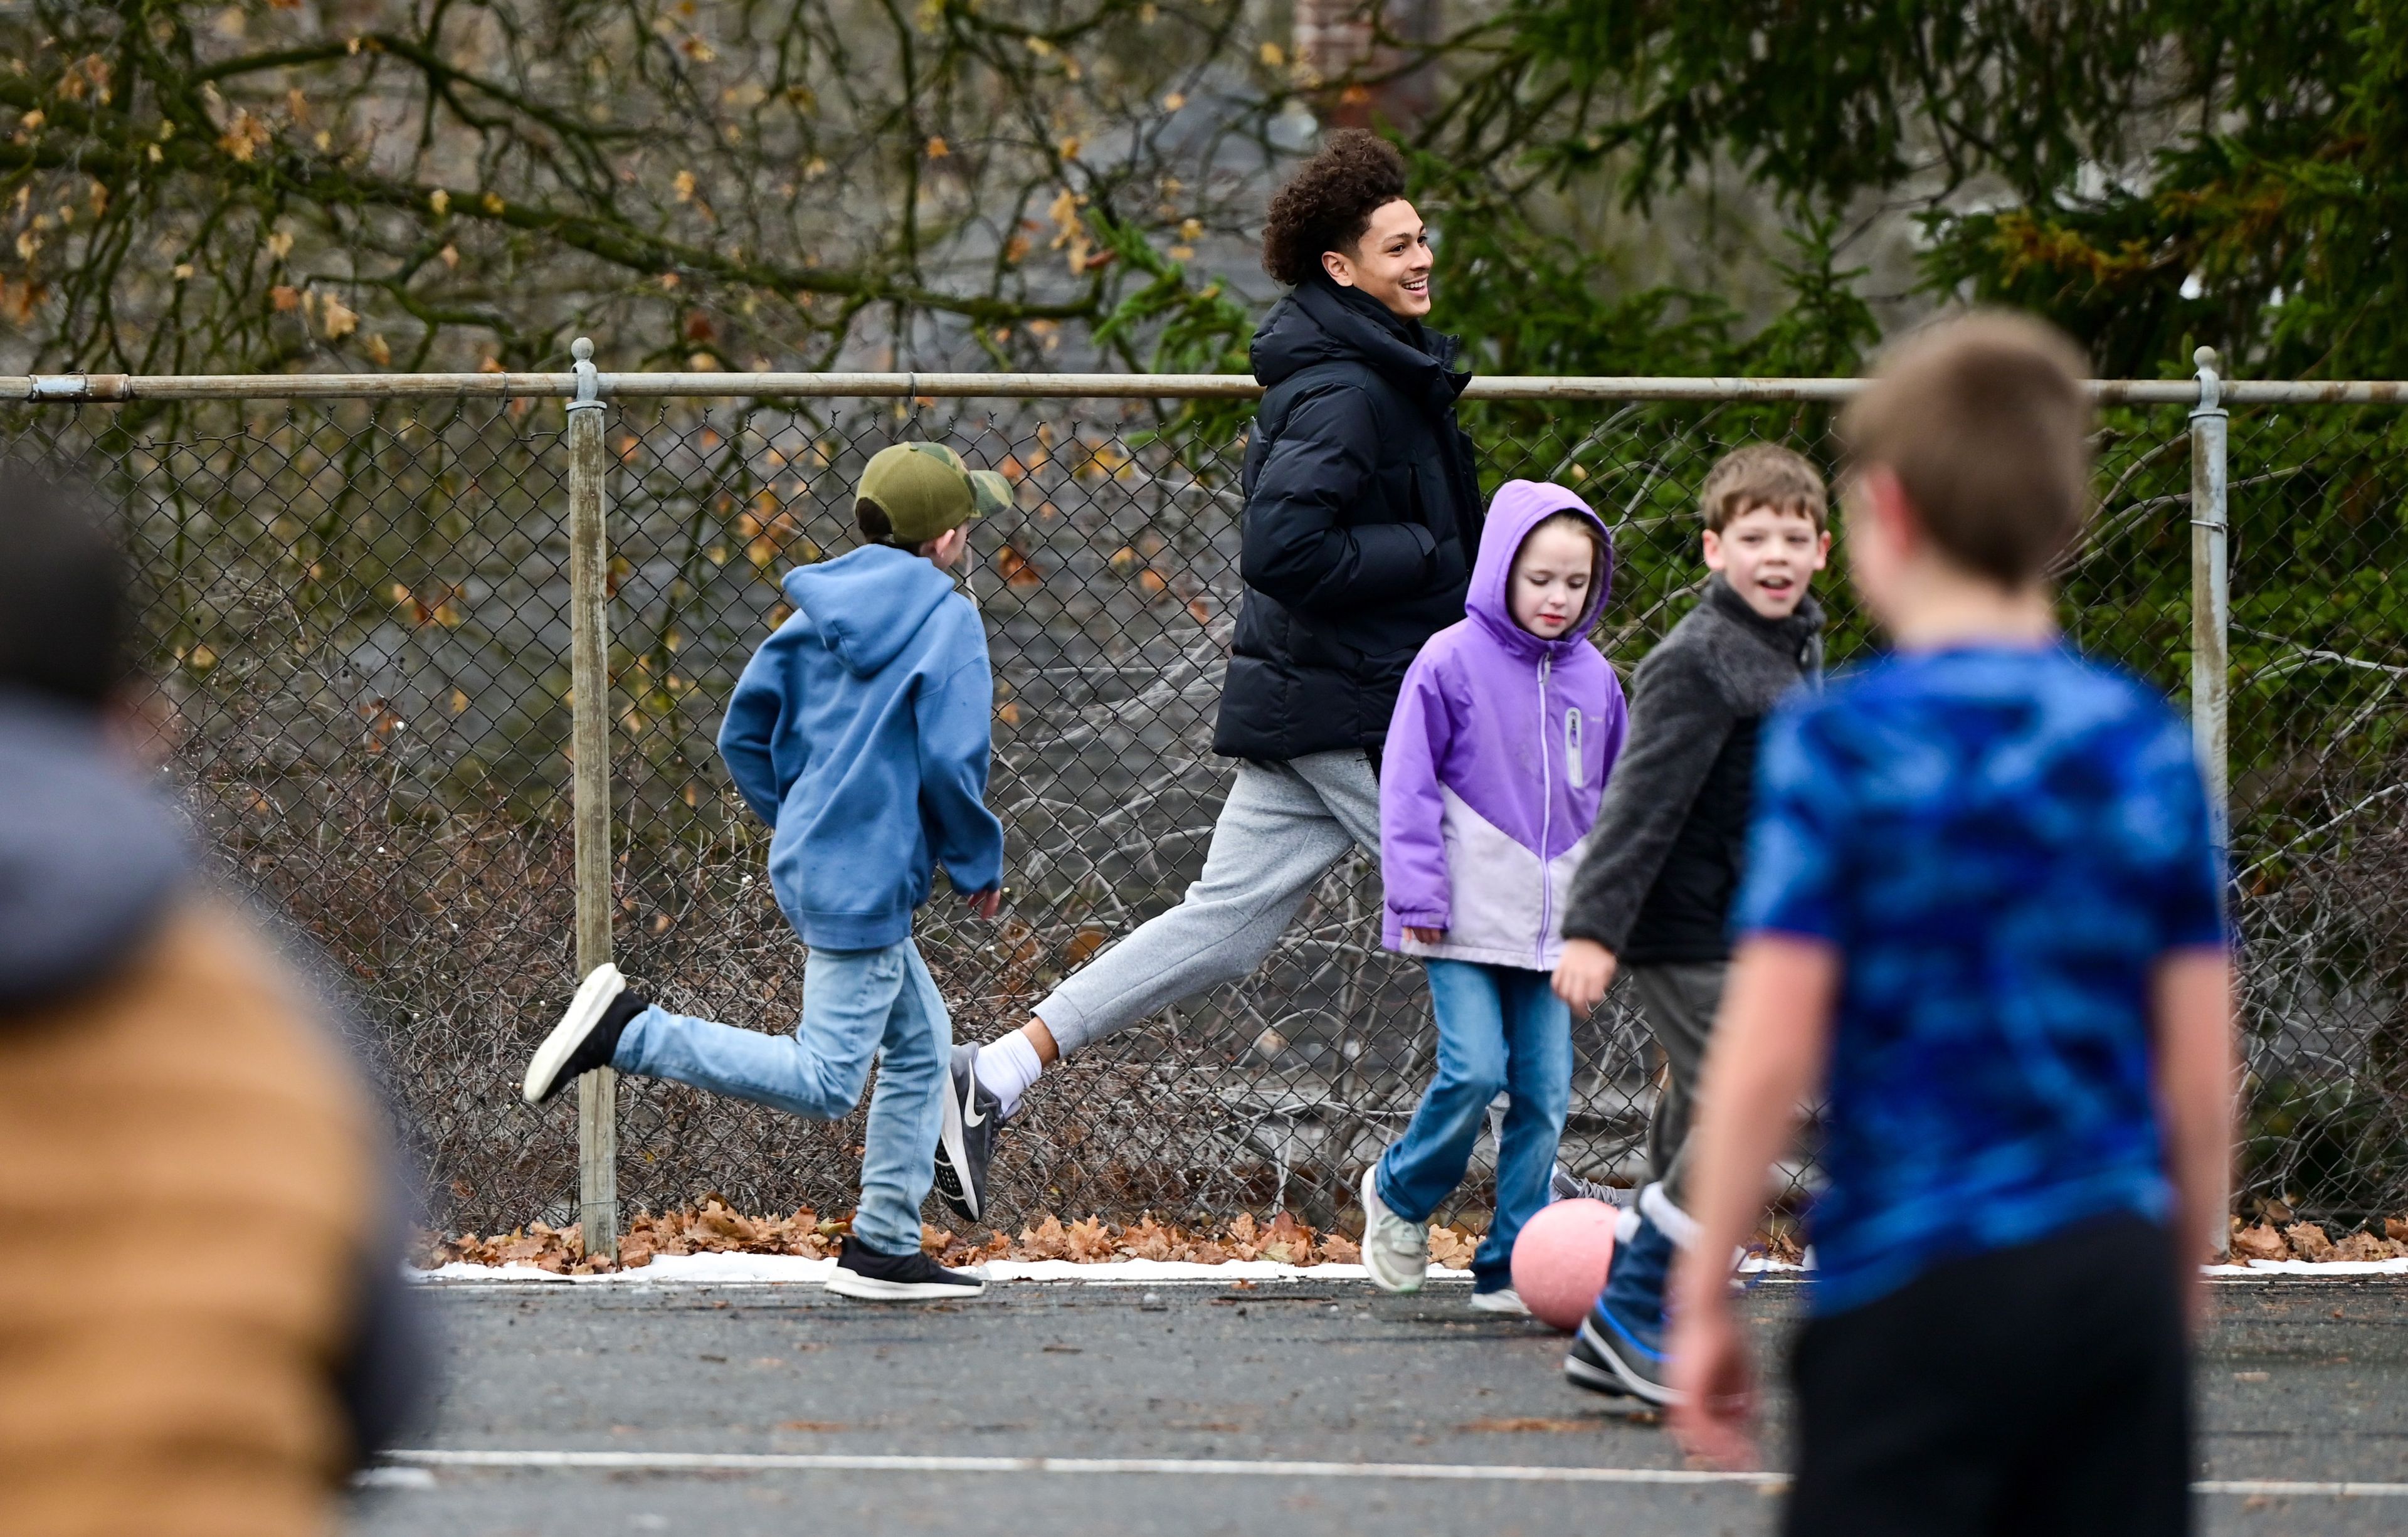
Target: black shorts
2043 1388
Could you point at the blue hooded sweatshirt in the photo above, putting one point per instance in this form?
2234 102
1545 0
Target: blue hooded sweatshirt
859 732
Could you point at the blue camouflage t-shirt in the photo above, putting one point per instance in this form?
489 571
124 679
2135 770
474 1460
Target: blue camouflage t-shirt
2001 842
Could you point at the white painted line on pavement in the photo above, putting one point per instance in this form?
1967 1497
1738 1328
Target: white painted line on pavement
1209 1467
2309 1487
1222 1468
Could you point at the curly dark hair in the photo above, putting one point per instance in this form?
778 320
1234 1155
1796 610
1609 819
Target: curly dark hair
1328 203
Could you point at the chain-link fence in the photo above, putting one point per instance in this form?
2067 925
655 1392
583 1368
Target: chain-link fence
359 610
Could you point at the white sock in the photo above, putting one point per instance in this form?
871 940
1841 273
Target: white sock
1006 1068
1670 1220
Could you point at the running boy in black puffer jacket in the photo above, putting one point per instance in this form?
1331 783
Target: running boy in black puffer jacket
1664 862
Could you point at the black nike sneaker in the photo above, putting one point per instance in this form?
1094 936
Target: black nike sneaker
587 1035
966 1144
864 1274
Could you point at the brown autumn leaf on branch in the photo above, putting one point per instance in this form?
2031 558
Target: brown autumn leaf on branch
1017 569
495 176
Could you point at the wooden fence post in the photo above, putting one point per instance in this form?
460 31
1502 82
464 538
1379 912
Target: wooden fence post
589 666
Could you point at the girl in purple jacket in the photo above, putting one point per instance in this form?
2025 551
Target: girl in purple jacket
1501 740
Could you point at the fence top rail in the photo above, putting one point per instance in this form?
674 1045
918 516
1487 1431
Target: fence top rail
113 388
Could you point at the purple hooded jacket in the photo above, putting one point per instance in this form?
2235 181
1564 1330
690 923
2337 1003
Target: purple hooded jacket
1496 757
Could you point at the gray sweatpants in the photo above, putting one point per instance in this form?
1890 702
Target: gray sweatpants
1679 1000
1283 826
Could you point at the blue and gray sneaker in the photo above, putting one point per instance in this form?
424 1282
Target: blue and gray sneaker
1620 1347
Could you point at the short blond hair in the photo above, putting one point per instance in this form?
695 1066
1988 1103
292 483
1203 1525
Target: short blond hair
1985 423
1762 475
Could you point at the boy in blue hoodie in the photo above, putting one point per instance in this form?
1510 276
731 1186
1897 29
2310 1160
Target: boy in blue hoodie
859 732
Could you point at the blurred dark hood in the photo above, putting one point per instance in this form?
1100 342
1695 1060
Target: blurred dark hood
90 857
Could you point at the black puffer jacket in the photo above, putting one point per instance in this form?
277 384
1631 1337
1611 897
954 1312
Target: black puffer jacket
1362 515
1670 842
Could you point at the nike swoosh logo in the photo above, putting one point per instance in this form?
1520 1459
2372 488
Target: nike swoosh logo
970 1116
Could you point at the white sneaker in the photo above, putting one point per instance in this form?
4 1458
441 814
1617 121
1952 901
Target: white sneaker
1504 1300
586 1036
1396 1252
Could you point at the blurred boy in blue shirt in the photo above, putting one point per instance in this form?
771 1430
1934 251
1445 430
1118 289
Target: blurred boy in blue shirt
1984 912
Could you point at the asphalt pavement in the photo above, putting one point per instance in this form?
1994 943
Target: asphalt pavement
1189 1409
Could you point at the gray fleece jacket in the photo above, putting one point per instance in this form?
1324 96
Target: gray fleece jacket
1664 861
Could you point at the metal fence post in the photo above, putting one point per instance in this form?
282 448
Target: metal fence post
589 668
2211 672
2211 676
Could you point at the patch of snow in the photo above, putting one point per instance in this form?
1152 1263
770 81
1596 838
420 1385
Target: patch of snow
2311 1267
710 1269
713 1270
389 1477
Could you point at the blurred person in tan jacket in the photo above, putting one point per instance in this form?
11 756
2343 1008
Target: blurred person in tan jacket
203 1325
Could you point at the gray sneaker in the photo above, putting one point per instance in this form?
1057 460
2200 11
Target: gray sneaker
1563 1185
1504 1300
1395 1251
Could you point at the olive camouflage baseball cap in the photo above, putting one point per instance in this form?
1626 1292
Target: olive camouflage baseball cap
925 489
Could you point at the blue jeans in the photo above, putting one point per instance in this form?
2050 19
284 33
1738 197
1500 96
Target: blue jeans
857 1005
1498 1028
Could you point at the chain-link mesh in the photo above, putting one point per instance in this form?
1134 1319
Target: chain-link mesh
2320 639
359 613
358 616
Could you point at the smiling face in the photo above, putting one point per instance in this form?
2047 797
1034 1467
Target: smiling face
1769 554
1548 588
1391 263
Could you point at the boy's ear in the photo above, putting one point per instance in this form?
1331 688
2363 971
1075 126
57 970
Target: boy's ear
946 546
1712 548
1893 512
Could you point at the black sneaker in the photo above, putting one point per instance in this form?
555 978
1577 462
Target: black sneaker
1622 1339
863 1272
966 1143
1586 1368
587 1035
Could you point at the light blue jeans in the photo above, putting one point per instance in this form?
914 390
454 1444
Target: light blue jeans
858 1005
1499 1027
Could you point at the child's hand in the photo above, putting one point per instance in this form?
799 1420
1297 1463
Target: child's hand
1425 936
1585 974
987 903
1715 1392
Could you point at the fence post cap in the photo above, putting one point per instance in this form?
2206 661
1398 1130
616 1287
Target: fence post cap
589 379
2211 383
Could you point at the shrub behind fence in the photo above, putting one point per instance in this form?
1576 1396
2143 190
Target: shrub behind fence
359 611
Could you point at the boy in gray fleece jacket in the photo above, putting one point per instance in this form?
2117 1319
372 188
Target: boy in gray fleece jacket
1654 894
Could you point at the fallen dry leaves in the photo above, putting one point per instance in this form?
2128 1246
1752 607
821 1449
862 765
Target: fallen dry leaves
712 1227
1283 1239
716 1228
2309 1240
